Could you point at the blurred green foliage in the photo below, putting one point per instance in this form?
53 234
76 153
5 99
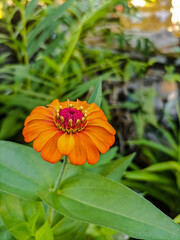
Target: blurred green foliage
45 54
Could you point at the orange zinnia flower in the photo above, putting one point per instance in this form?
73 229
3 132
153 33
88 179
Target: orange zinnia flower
77 129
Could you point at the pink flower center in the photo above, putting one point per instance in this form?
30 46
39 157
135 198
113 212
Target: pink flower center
70 120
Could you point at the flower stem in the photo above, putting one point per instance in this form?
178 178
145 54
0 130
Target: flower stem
61 173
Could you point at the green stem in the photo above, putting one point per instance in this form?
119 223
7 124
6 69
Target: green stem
61 173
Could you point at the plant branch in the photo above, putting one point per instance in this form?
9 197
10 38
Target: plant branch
61 173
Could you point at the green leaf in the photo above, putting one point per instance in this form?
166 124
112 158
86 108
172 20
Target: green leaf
68 229
23 172
45 28
30 8
83 195
4 234
45 232
155 145
83 88
95 199
96 96
21 218
13 119
115 169
103 159
13 217
163 166
177 219
150 177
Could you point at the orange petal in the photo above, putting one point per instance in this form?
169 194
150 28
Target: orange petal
100 137
78 155
101 123
84 104
50 151
37 117
42 110
97 114
66 143
35 127
42 139
55 103
91 150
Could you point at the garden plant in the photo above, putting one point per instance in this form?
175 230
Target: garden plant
65 172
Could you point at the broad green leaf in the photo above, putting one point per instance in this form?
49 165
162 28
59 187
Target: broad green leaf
96 96
114 170
23 172
68 229
83 195
95 199
44 232
165 194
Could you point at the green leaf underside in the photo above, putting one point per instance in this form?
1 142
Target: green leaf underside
83 195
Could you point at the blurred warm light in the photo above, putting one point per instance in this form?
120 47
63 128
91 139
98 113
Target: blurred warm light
175 19
1 10
139 3
175 10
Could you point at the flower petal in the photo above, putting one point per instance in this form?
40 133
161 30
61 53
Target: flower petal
101 123
66 143
97 114
100 137
50 151
78 155
37 117
91 150
39 113
55 103
42 139
84 104
35 127
42 110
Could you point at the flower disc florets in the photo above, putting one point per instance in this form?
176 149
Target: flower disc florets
70 119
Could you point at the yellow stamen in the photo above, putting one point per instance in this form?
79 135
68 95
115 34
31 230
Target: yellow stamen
57 114
70 105
60 108
83 119
68 102
62 119
81 108
85 112
70 122
78 122
85 115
